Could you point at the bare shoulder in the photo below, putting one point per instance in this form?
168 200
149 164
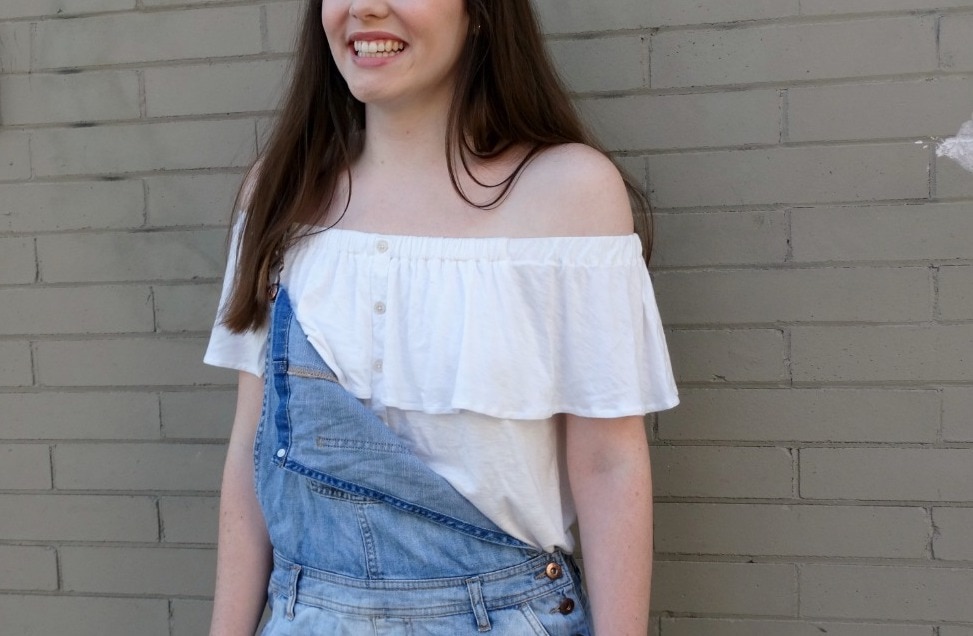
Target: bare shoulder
575 190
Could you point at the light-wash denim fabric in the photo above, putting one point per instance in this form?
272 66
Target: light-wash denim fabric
369 540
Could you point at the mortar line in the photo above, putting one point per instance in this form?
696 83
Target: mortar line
264 30
933 532
647 59
143 107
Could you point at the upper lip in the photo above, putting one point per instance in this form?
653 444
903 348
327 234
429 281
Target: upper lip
370 36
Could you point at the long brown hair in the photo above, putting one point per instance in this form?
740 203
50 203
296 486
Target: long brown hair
507 93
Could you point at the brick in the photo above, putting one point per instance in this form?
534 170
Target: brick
144 37
27 568
634 166
60 310
882 354
886 592
112 149
726 237
956 50
193 467
60 8
14 155
121 256
749 627
676 12
43 207
888 110
685 121
25 467
87 416
809 174
958 414
833 531
78 518
887 474
748 355
15 364
126 362
18 264
186 307
807 415
935 231
191 617
205 199
283 24
575 16
789 52
83 616
952 181
15 46
713 471
78 97
832 7
871 294
172 3
953 540
214 88
264 128
156 571
198 414
739 588
956 293
605 64
190 519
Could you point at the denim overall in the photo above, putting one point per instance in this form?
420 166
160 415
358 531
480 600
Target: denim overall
369 540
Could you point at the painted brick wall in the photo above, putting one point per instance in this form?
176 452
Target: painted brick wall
814 266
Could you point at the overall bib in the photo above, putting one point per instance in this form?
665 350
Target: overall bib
370 541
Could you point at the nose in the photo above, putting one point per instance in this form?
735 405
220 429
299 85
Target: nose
366 9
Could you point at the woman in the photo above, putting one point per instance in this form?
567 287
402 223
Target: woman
445 349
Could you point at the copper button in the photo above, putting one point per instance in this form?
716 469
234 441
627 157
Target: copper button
566 606
553 571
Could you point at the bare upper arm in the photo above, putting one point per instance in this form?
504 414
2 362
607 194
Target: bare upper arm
597 445
249 403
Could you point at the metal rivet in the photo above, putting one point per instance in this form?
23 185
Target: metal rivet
281 452
553 571
566 606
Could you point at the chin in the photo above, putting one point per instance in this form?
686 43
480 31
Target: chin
374 94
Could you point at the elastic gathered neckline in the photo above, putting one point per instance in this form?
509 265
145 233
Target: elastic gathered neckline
591 251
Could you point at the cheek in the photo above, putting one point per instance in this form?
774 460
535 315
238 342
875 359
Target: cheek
333 15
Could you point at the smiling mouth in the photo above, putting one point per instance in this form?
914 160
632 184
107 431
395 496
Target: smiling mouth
378 48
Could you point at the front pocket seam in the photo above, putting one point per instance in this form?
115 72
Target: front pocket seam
533 621
313 374
322 441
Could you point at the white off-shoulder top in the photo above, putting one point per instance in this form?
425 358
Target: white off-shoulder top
468 348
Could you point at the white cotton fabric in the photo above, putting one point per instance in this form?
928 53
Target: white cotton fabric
469 348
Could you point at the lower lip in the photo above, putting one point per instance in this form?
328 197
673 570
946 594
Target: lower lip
371 62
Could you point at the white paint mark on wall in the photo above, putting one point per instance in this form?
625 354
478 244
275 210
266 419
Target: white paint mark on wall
960 147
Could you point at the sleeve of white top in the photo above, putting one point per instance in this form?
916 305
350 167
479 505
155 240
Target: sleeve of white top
532 339
240 351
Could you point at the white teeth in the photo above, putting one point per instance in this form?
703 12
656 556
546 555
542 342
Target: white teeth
378 48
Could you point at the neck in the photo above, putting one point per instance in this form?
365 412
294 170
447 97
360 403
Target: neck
417 133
